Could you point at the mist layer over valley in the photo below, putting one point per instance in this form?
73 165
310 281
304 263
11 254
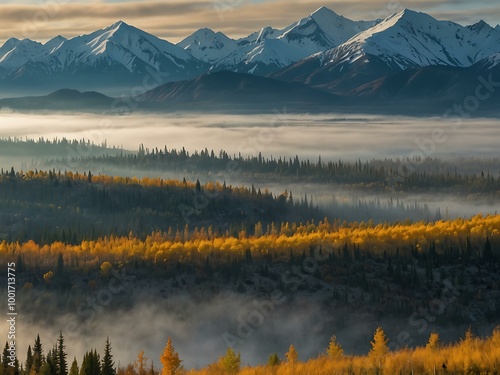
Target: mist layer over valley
337 136
204 304
468 145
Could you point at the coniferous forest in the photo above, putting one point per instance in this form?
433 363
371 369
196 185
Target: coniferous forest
200 239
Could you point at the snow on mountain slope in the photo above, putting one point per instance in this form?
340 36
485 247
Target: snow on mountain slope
323 49
489 62
109 55
54 43
261 59
259 36
410 38
268 49
15 53
322 30
122 44
207 45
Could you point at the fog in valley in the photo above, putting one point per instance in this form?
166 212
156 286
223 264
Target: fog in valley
202 326
197 327
333 137
346 137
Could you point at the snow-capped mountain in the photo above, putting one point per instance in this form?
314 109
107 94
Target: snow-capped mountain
489 62
269 49
322 30
117 54
259 36
261 59
323 49
410 39
15 53
124 45
404 40
207 45
54 43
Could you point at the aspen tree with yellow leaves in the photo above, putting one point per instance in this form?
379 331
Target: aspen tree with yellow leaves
170 360
379 349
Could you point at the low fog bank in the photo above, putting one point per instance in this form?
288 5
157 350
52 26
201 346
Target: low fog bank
335 136
198 327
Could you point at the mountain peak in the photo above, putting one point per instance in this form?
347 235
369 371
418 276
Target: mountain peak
117 26
11 43
405 13
55 42
264 32
323 12
478 26
55 39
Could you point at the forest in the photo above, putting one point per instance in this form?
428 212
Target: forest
203 228
470 355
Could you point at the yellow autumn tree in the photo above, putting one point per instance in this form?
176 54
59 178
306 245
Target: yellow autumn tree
433 342
334 349
170 360
379 348
141 363
48 277
292 356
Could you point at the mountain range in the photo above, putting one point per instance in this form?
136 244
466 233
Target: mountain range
407 55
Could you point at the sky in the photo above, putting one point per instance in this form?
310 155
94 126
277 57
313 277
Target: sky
175 19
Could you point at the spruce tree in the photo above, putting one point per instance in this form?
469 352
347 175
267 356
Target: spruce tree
230 363
29 360
5 360
62 364
273 360
38 359
107 361
74 368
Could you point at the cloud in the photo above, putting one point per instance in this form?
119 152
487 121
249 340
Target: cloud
174 20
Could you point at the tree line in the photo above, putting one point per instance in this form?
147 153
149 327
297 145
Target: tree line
470 355
464 176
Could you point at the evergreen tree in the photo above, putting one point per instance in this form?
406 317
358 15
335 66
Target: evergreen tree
487 252
108 366
273 360
38 359
74 368
90 364
59 267
50 366
62 364
5 359
230 362
29 360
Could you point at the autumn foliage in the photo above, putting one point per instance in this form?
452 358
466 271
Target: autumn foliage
194 245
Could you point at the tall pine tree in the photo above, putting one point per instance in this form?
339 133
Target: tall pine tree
108 366
62 364
38 358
